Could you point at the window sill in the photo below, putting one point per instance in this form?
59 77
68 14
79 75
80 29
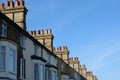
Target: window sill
21 78
22 47
2 70
12 73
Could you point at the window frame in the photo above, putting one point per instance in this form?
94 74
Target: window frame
22 68
48 58
12 70
62 68
39 74
21 40
54 75
35 49
1 52
4 34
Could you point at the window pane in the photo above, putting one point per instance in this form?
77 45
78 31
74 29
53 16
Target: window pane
2 48
4 30
21 40
35 48
41 71
22 68
12 61
2 58
36 72
49 74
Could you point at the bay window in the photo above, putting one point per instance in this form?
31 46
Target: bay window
54 75
51 75
2 57
38 71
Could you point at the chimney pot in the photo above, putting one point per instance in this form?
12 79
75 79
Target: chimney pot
66 47
49 31
22 2
74 58
46 32
31 32
60 48
11 4
57 49
39 32
8 3
42 31
63 47
34 32
17 3
2 5
77 58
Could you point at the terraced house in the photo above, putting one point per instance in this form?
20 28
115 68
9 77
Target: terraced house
31 56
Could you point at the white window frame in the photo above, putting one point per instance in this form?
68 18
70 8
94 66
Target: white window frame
40 75
4 53
22 69
4 28
54 75
9 45
12 55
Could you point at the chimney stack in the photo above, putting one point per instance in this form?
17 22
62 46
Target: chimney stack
2 5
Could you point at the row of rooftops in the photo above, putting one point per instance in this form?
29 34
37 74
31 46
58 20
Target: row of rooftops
41 32
12 4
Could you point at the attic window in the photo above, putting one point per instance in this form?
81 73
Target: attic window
4 30
21 40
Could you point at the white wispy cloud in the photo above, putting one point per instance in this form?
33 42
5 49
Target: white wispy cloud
107 57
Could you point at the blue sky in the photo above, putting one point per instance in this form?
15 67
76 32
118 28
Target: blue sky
90 28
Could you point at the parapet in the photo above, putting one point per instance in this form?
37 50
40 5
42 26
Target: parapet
12 4
41 32
60 49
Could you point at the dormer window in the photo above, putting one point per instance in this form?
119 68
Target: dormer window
62 67
48 58
4 30
35 49
21 40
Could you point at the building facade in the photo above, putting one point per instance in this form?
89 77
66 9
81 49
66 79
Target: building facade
31 56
